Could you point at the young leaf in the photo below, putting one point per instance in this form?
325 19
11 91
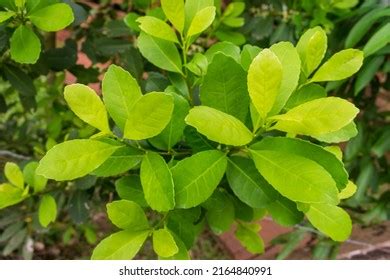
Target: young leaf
192 7
348 191
157 183
123 245
218 126
196 177
312 48
38 182
380 39
340 66
295 177
201 21
157 28
285 212
53 17
14 175
149 116
25 45
10 195
224 87
127 215
47 212
174 10
317 117
74 159
87 105
130 188
182 253
247 184
164 243
264 80
161 53
249 237
120 93
331 220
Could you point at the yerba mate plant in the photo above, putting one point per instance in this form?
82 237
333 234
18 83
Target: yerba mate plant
238 134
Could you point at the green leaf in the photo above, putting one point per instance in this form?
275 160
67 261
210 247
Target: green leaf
201 21
174 10
248 53
224 87
218 126
47 212
296 177
227 48
120 93
38 182
164 243
249 237
305 94
10 195
25 45
123 245
308 150
157 183
195 178
6 15
285 212
367 73
149 116
264 80
157 28
247 184
331 220
14 175
173 132
317 117
342 135
312 48
52 18
340 66
130 188
87 105
220 211
182 253
192 7
380 39
289 58
161 53
74 159
122 160
127 214
348 191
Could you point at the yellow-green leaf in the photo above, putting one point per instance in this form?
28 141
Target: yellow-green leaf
174 10
157 28
53 17
14 175
47 212
127 214
164 243
348 191
201 21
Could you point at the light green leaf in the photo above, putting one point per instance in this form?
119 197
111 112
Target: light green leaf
201 21
74 159
14 175
25 45
248 53
123 245
340 66
52 18
312 48
87 105
157 28
38 182
226 48
264 80
149 116
196 177
249 237
285 212
10 195
348 191
120 93
308 150
296 177
380 39
192 7
164 243
173 132
218 126
247 184
305 94
291 64
122 160
130 188
6 15
174 10
157 183
342 135
47 212
127 214
161 53
182 253
317 117
331 220
224 87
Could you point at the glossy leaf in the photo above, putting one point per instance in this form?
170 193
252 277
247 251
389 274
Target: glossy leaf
25 45
192 7
218 126
201 21
14 175
47 212
127 215
164 243
53 17
87 105
196 177
157 28
74 159
174 10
